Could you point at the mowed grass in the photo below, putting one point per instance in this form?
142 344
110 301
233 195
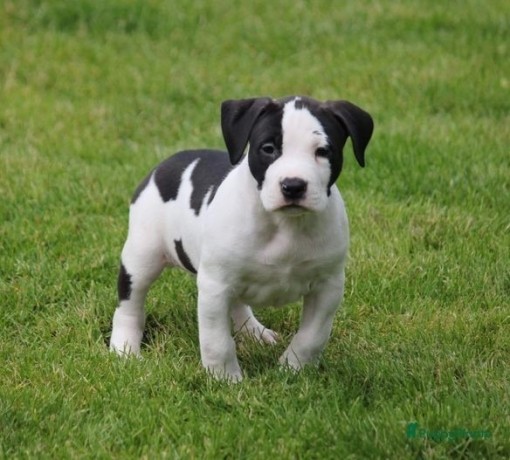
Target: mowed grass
93 94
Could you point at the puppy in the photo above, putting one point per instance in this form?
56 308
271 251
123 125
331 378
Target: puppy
262 228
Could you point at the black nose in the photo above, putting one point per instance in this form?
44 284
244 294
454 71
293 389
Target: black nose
293 188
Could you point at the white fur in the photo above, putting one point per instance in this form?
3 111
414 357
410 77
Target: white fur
248 250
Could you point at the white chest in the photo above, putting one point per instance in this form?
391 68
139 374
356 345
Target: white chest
284 270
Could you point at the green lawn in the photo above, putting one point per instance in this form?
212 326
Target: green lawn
94 93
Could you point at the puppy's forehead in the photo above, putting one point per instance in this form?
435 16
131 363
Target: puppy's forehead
300 128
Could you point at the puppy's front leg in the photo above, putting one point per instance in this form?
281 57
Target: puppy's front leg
217 347
316 323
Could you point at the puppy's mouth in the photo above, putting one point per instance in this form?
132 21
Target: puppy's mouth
293 209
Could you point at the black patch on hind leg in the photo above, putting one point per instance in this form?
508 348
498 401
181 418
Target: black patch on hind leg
124 284
183 257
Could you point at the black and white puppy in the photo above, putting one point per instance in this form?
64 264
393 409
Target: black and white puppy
262 229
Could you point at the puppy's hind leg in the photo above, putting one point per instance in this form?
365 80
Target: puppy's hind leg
245 323
141 264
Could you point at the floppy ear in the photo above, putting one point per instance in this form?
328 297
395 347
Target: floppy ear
359 125
237 120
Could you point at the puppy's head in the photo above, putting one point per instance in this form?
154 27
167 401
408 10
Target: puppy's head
295 146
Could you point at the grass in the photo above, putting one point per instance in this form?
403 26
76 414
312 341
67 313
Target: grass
95 93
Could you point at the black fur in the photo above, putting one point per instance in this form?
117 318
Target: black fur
337 136
358 123
124 284
169 172
183 257
237 120
208 174
268 129
212 167
299 104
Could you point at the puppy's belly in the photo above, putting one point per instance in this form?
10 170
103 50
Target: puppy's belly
270 296
273 289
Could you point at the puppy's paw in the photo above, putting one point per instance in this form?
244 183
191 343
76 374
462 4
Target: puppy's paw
220 360
254 330
290 360
125 351
231 374
268 336
127 332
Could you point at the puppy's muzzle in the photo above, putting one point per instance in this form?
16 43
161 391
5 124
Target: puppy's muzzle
293 188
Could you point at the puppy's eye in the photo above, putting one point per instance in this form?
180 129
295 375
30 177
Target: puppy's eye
268 149
324 152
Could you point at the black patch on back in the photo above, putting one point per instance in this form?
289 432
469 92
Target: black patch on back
212 167
169 172
207 176
267 129
124 284
183 257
